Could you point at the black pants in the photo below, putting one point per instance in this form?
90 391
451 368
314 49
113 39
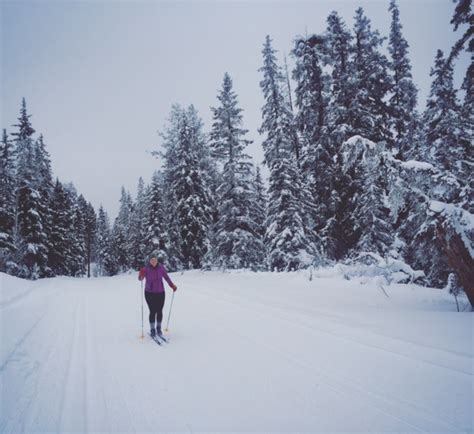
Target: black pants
155 301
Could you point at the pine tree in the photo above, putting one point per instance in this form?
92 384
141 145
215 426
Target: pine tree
312 119
190 189
311 98
137 240
338 48
286 240
403 100
442 120
60 256
260 202
120 232
90 225
106 263
369 113
32 241
237 242
7 205
156 233
44 186
77 236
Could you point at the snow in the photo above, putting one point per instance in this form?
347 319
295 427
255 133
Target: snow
417 165
249 352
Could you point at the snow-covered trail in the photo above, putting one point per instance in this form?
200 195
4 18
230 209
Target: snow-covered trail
248 352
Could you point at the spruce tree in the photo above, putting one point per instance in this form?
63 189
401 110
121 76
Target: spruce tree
442 120
191 191
137 240
90 226
106 263
403 98
286 240
32 241
7 205
155 228
61 255
237 242
120 232
338 49
369 112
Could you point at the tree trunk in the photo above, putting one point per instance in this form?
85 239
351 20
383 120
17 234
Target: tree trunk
459 258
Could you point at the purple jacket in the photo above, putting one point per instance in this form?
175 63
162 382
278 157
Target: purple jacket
154 278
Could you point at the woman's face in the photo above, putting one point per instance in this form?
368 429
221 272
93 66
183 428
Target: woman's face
153 261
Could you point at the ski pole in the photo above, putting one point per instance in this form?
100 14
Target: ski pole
141 297
169 315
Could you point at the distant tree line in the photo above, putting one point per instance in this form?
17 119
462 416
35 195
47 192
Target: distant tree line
356 173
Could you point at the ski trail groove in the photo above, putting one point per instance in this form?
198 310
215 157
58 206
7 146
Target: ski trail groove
72 403
355 388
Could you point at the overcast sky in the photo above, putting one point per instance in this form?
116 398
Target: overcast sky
99 77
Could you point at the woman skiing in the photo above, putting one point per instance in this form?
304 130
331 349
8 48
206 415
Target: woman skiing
153 274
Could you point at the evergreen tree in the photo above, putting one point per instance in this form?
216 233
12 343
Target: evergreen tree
403 100
7 205
260 202
190 189
90 224
369 113
44 186
445 141
311 98
287 243
156 233
338 48
312 104
77 237
120 232
32 241
368 177
61 256
137 232
237 242
106 263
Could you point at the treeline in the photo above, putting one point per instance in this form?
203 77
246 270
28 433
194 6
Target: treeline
357 174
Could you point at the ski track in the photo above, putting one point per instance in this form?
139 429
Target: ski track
87 378
329 318
339 383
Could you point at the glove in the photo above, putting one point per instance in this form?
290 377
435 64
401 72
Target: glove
174 288
141 274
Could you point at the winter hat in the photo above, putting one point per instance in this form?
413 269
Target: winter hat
153 255
160 255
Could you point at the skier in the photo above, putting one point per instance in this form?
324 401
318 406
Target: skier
153 274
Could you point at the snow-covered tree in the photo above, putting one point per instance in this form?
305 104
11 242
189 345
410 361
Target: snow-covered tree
120 232
61 256
31 237
156 231
368 174
447 143
187 167
136 236
403 97
7 205
106 262
338 48
370 82
237 242
90 227
260 201
289 246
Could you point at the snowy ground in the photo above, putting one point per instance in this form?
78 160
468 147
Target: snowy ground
248 352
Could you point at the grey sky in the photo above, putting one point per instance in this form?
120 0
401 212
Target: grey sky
100 77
